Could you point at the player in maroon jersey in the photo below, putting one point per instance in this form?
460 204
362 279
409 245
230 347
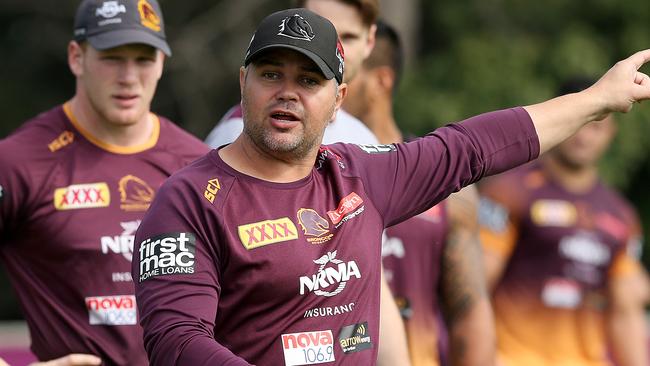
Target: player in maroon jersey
76 182
267 250
561 252
433 260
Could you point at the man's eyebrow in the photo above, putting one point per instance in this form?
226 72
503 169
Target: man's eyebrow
265 61
311 68
272 61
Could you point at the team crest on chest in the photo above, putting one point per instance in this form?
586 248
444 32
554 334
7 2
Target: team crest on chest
314 226
135 193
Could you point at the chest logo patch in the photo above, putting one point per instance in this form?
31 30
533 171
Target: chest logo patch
112 310
314 226
259 234
553 213
135 194
308 348
355 338
331 278
79 196
346 209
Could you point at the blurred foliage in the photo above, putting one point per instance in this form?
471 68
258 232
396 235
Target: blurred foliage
472 56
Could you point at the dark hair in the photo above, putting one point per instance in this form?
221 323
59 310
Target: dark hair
388 51
574 84
369 9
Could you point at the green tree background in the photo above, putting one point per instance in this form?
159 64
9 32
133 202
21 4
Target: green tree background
470 56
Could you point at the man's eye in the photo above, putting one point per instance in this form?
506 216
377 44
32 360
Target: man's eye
270 75
310 81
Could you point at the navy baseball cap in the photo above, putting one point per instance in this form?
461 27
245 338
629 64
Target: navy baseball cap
107 24
303 31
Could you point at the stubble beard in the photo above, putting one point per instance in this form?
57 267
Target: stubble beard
295 146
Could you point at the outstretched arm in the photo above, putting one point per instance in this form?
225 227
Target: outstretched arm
464 297
622 86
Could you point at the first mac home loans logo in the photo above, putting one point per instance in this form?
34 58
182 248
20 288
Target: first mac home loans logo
166 254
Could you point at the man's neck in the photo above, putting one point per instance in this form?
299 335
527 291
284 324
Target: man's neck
379 119
573 179
247 158
123 135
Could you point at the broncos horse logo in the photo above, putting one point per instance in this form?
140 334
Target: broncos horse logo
296 27
312 223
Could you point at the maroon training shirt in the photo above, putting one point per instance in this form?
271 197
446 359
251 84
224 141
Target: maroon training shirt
69 209
233 270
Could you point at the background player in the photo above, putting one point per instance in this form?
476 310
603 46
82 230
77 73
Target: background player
561 253
434 258
76 182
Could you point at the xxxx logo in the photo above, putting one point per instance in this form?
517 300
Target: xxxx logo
79 196
259 234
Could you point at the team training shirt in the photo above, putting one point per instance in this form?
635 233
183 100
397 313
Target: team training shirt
69 208
563 248
412 252
230 268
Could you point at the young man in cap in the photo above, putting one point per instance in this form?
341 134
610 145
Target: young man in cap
432 261
76 182
561 252
267 250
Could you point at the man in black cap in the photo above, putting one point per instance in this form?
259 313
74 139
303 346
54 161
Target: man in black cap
76 182
267 250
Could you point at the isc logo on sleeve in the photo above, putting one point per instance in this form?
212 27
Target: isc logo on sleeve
79 196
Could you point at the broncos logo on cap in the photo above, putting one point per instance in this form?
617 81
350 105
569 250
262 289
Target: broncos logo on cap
296 27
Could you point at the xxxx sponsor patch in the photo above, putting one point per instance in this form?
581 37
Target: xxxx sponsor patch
79 196
259 234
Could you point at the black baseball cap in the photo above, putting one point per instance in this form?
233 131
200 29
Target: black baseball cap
107 24
303 31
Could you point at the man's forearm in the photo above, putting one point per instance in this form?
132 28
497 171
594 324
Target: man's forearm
393 349
628 336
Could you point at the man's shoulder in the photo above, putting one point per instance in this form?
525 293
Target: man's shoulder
180 141
38 138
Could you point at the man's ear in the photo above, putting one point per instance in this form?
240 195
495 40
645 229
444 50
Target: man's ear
75 58
242 80
386 78
370 44
341 92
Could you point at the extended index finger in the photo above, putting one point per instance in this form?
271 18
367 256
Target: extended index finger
640 58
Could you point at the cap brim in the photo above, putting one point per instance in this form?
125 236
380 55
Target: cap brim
329 74
116 38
